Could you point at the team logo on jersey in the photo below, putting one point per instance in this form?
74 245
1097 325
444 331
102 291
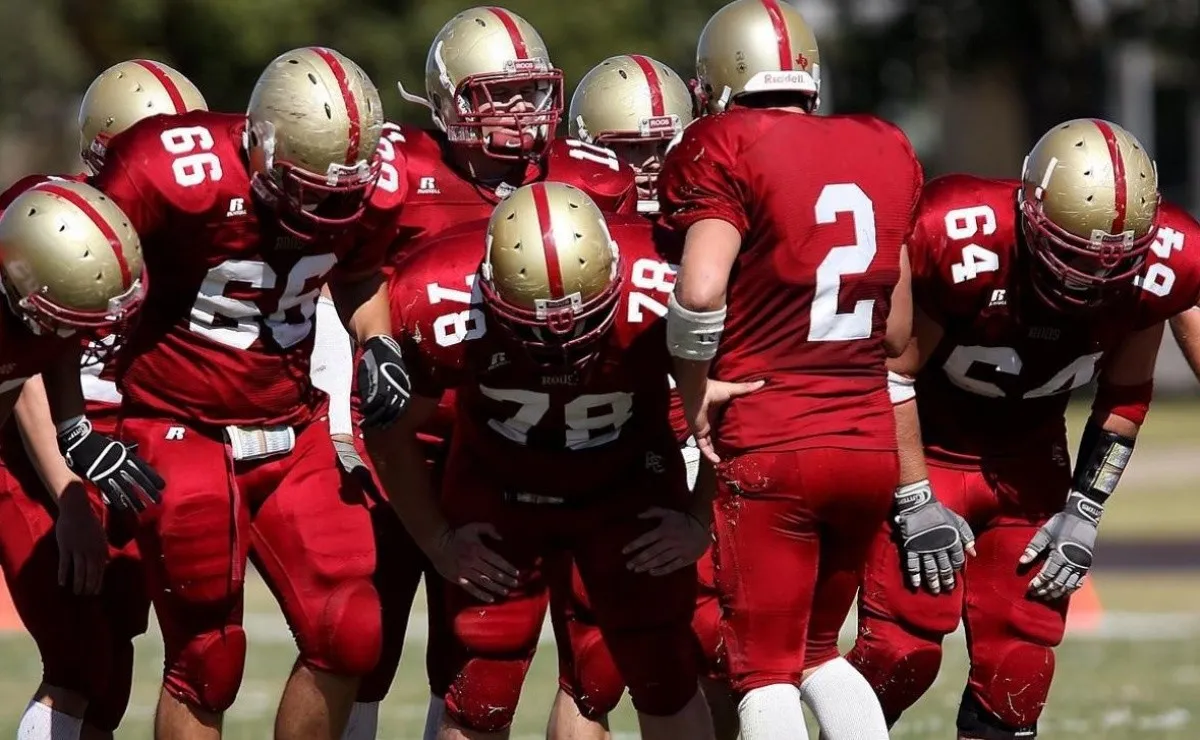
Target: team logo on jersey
427 186
999 298
237 207
654 462
174 433
7 368
571 378
499 360
1047 333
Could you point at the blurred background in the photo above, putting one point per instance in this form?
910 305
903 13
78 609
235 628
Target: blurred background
973 82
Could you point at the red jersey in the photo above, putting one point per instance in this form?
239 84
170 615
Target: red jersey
226 330
540 429
998 383
823 204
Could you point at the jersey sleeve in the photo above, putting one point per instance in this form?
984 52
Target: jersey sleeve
699 179
433 368
131 166
1169 283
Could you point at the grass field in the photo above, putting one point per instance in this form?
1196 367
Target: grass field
1136 674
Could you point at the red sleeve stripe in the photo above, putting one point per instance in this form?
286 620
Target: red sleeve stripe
782 40
1120 189
514 33
105 228
339 73
541 204
656 96
165 80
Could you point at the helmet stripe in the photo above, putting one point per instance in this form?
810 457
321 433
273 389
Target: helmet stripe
165 80
656 96
782 40
105 228
541 204
339 74
1120 191
514 33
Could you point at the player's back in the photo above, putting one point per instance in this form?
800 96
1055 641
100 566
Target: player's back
823 205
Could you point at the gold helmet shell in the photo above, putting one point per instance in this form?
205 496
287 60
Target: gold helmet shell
477 62
313 127
1089 202
551 274
752 46
124 94
70 260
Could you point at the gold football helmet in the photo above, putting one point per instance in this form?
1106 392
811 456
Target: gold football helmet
1089 200
753 46
70 261
313 127
636 106
124 94
491 84
551 276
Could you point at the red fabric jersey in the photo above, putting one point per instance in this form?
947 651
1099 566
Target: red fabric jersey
823 204
226 330
540 429
998 383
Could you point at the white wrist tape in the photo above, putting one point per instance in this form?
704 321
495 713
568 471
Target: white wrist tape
693 335
900 387
333 365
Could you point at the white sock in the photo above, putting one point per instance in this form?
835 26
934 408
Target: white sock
844 703
772 713
40 722
364 721
433 717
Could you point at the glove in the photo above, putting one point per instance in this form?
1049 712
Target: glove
1070 538
125 481
383 382
352 463
934 539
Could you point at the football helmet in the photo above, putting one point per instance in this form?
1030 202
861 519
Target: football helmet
1089 204
752 46
491 84
551 276
70 261
124 94
636 106
312 131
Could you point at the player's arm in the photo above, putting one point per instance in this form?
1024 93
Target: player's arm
8 400
362 302
32 414
1186 328
1123 395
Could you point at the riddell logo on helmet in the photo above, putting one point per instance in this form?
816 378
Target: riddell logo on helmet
789 79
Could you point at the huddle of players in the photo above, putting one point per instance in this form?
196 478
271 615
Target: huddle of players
533 459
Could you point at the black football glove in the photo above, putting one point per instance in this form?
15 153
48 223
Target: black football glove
125 480
383 382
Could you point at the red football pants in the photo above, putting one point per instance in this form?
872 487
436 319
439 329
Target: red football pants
299 519
792 534
1010 636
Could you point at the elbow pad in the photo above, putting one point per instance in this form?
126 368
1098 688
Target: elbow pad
901 388
693 335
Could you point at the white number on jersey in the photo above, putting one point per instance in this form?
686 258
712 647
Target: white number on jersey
964 223
580 416
650 275
451 328
192 167
238 323
1006 360
600 155
1159 277
389 176
826 324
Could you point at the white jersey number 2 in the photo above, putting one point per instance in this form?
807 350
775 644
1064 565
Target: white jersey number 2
826 323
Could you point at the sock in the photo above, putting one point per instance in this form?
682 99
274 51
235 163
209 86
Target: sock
433 717
364 721
40 722
844 703
772 713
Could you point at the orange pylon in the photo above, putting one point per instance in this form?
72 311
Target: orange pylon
1086 611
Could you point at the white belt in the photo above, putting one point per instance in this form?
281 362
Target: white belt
255 443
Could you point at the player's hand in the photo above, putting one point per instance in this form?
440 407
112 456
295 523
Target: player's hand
352 464
1069 539
82 544
717 393
125 481
678 541
933 539
383 382
463 559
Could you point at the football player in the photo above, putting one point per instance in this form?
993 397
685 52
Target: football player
244 217
85 644
803 251
496 98
561 442
1024 291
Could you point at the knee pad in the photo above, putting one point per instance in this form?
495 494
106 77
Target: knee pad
975 721
208 672
591 678
1012 665
106 711
349 632
483 696
899 663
